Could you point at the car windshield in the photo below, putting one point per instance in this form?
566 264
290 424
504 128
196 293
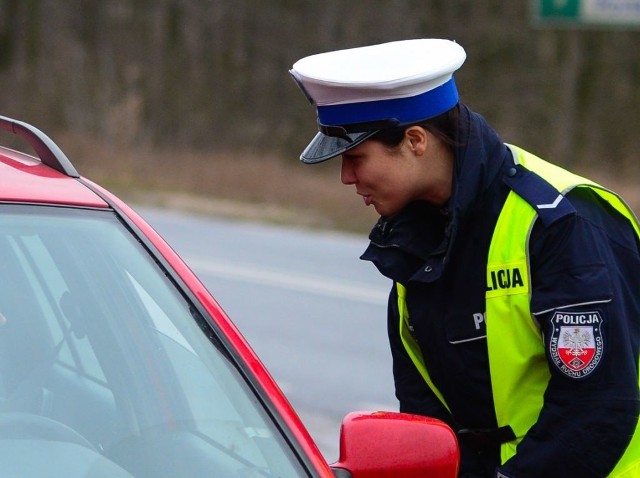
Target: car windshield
107 370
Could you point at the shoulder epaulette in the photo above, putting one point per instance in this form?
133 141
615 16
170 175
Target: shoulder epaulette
549 203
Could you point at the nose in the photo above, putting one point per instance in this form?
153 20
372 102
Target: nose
347 172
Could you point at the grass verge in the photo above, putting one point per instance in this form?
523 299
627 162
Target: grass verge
248 186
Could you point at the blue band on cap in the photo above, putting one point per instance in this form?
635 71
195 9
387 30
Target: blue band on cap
405 110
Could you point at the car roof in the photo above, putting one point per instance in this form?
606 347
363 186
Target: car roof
26 179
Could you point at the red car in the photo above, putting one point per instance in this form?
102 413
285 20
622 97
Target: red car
115 361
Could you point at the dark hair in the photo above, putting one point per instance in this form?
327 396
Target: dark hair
444 126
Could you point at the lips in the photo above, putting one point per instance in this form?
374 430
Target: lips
367 199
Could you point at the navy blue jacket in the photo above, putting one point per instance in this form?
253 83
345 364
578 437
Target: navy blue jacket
588 261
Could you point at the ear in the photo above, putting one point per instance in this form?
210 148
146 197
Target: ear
417 139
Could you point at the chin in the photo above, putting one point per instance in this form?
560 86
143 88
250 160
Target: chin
379 210
384 212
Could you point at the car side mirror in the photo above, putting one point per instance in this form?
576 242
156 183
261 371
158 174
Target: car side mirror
398 445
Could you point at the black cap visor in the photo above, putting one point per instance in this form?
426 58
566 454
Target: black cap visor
323 147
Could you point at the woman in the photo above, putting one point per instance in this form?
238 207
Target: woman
515 311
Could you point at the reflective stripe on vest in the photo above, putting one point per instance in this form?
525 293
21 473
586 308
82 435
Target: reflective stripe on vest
512 335
411 345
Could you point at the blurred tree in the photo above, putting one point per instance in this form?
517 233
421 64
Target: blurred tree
212 74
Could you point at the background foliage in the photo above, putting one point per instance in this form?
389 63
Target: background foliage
212 75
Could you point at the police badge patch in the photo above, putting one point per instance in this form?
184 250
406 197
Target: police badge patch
576 344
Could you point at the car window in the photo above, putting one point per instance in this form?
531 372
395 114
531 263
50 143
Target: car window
94 336
48 287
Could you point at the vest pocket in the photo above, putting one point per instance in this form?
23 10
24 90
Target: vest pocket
465 327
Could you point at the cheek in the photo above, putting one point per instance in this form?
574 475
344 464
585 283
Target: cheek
394 182
387 172
393 195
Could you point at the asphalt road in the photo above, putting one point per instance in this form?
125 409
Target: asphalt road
313 311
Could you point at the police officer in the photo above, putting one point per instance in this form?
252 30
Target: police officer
515 311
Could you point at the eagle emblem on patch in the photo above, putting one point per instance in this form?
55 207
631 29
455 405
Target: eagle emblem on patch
576 344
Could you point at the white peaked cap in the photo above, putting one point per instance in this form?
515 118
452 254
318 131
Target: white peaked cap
359 91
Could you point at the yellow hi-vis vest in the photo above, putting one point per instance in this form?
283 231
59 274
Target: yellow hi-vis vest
517 361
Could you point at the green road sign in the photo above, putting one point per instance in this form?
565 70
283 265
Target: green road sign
588 12
559 9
